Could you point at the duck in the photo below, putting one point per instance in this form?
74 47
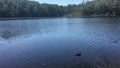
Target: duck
78 54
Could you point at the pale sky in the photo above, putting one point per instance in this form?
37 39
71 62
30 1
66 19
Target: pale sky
60 2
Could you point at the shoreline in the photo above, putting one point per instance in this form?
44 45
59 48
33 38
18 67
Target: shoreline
91 16
25 18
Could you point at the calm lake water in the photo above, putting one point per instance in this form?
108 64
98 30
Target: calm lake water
54 42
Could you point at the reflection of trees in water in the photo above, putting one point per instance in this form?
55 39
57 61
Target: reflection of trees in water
10 29
14 28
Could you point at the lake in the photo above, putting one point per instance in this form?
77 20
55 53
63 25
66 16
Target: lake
54 42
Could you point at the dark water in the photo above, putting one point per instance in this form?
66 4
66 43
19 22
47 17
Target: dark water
53 43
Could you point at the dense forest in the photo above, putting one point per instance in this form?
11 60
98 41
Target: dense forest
27 8
102 7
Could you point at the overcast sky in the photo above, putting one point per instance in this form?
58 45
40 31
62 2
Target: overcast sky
60 2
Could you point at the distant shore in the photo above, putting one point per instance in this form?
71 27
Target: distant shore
24 18
94 16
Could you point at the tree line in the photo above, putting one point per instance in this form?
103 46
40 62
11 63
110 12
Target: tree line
102 7
27 8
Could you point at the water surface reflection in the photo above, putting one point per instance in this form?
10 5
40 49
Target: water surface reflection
53 43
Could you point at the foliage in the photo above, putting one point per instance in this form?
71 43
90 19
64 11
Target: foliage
27 8
102 7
